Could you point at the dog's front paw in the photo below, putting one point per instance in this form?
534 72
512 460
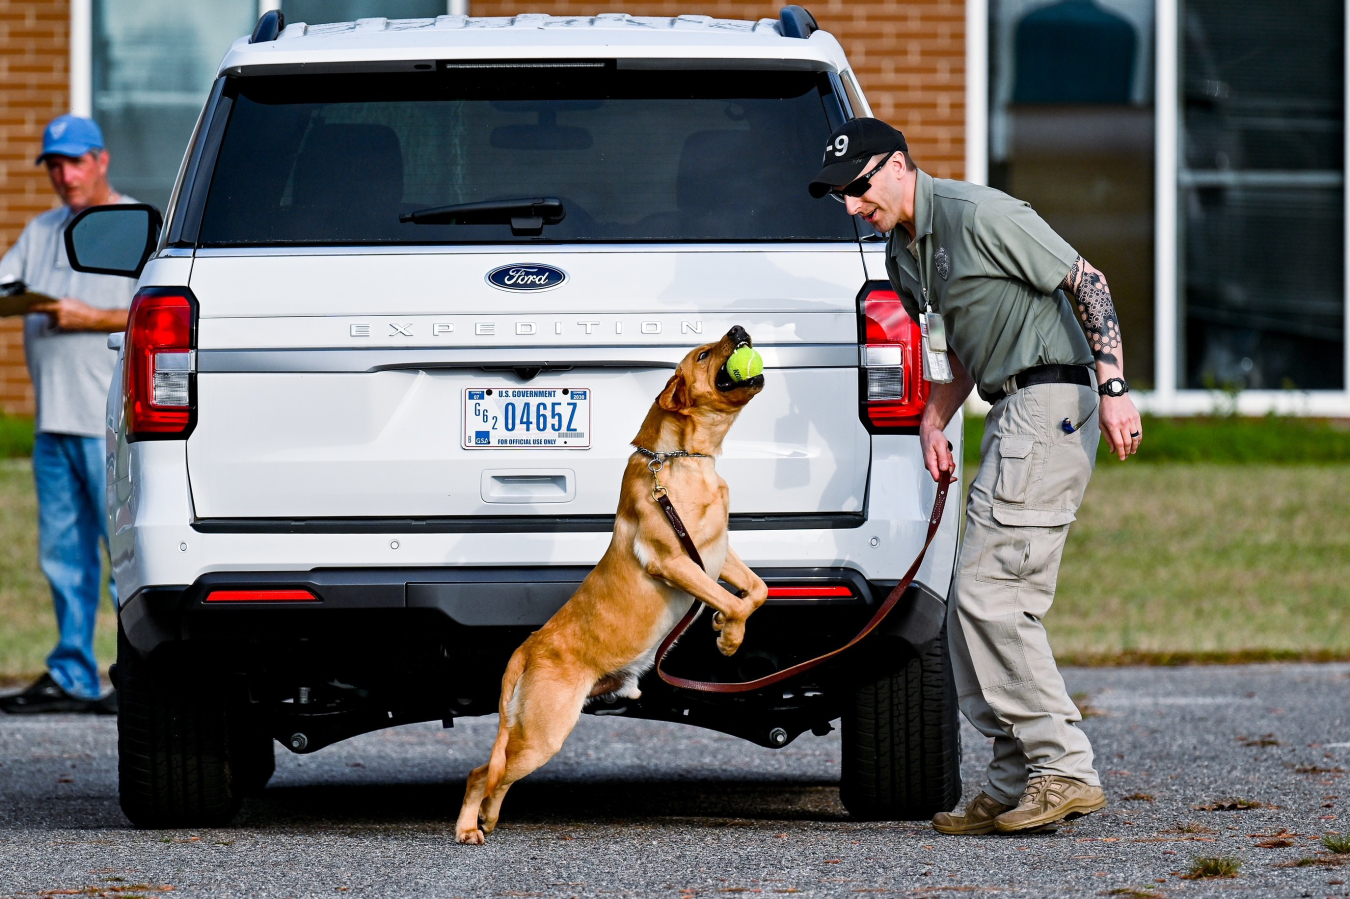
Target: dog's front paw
757 595
733 633
472 837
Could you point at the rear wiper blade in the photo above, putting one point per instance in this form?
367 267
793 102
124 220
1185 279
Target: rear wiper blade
525 216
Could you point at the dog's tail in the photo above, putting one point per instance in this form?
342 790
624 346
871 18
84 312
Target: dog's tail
515 669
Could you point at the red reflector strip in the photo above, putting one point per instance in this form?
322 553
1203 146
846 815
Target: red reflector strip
261 596
808 592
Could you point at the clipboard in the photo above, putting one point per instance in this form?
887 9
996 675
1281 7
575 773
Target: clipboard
16 298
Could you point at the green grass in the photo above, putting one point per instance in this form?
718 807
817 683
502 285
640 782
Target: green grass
1338 843
1210 866
16 437
1222 439
27 624
1166 564
1241 554
1207 562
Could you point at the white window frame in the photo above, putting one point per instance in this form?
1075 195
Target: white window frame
82 48
1166 398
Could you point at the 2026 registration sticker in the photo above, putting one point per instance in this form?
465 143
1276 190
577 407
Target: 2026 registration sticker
527 418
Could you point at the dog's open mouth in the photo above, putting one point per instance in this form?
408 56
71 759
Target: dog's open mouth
725 383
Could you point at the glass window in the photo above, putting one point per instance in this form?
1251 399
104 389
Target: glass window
632 154
1071 131
1260 195
153 64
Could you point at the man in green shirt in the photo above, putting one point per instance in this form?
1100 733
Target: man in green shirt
1027 320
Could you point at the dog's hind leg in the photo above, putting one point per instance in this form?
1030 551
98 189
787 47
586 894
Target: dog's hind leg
547 708
466 826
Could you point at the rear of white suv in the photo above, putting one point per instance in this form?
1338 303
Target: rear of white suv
419 282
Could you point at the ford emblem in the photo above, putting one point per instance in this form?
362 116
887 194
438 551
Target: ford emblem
526 276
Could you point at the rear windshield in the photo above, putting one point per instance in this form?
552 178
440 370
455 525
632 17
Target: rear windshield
633 155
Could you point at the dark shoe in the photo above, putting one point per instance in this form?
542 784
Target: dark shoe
45 695
106 704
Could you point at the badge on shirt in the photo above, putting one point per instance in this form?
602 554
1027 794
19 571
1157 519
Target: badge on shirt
943 263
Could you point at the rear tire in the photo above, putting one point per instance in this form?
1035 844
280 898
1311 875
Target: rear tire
901 741
177 751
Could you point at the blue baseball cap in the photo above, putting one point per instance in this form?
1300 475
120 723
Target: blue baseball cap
70 135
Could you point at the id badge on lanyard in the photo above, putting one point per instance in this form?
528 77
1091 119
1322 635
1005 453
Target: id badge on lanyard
937 367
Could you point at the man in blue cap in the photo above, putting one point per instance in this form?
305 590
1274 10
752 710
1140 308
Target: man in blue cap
71 367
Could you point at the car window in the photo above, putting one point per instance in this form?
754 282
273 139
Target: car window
634 155
854 95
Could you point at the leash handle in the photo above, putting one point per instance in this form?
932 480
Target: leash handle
934 520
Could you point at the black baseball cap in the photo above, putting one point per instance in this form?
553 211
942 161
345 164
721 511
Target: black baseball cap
850 148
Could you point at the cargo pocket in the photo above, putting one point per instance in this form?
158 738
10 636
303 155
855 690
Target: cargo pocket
1015 459
1028 549
1022 517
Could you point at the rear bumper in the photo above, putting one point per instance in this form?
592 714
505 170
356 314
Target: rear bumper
462 598
380 647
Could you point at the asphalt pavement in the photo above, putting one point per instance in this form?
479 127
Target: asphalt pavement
634 808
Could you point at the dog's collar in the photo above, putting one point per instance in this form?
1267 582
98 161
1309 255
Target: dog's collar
657 461
662 457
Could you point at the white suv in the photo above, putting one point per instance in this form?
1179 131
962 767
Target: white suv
417 286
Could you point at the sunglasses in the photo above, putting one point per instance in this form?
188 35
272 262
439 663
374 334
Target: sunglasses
860 185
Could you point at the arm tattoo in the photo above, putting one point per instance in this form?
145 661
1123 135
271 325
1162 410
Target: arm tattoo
1096 311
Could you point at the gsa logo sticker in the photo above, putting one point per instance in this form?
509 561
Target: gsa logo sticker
526 276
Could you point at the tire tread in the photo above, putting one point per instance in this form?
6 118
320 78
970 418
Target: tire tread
901 741
175 765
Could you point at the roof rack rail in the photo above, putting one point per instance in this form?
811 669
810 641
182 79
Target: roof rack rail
270 25
795 21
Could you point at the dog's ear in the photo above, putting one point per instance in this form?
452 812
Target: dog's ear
675 397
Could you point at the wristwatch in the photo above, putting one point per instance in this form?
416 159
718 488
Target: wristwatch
1114 387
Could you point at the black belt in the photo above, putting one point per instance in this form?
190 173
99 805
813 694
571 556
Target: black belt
1046 374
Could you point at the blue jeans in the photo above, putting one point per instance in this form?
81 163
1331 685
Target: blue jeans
70 476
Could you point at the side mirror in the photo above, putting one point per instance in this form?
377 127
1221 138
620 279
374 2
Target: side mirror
113 240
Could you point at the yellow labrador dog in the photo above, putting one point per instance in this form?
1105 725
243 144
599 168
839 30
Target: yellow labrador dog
606 635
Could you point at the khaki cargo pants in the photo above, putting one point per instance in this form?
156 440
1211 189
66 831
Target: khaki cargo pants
1030 482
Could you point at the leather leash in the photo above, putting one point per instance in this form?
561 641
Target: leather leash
661 495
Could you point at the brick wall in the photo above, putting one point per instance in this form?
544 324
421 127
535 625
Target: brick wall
911 60
34 78
910 57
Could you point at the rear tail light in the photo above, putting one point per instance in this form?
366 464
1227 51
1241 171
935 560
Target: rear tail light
832 592
159 380
286 595
892 389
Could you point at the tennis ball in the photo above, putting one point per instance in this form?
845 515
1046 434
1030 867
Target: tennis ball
745 363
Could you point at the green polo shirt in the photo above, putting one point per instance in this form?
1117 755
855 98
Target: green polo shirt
992 267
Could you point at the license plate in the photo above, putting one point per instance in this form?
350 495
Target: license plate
527 418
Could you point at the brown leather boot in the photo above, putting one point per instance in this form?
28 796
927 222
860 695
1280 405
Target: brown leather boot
978 818
1048 800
